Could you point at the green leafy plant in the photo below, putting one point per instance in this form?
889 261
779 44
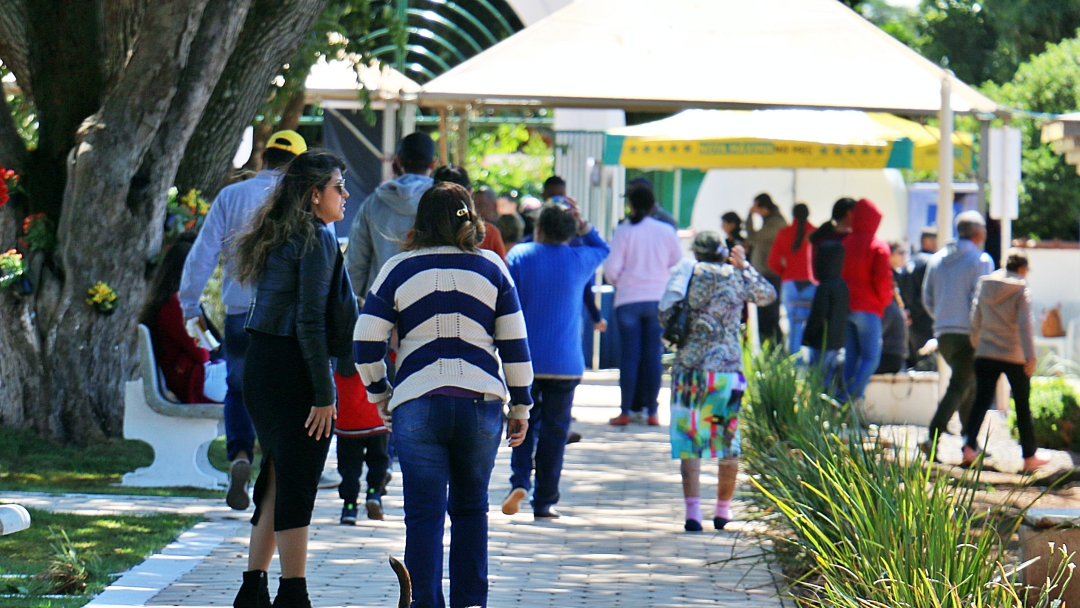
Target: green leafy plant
38 233
68 571
12 267
1055 409
854 523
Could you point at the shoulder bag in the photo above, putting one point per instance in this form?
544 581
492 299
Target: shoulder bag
677 328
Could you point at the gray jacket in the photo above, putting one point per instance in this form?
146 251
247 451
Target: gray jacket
949 286
228 217
1002 326
378 232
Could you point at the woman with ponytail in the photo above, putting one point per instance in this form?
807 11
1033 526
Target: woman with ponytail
790 260
461 332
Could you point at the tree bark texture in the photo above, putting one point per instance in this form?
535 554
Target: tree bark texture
14 46
272 33
64 364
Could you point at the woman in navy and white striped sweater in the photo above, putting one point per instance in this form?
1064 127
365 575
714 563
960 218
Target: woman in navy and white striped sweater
458 321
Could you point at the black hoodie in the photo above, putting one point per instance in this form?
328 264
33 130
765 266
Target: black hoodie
828 313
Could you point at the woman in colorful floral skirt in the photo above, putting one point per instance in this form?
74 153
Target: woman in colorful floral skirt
706 380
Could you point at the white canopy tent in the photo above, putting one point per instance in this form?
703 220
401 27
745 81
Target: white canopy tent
669 55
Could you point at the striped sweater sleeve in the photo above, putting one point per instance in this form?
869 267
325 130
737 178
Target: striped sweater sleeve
373 331
513 343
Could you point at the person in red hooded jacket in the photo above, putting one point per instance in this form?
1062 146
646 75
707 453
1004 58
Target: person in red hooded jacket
869 280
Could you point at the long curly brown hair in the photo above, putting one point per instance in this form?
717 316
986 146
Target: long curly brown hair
286 213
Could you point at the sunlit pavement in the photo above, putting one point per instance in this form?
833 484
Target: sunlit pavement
619 543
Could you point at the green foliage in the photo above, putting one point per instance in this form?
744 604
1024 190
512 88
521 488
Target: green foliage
856 523
24 113
510 159
78 554
1049 83
1055 408
979 40
27 463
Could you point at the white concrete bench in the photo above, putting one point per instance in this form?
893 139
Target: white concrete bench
13 518
903 398
179 433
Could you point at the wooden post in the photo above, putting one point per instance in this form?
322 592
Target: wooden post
444 136
462 136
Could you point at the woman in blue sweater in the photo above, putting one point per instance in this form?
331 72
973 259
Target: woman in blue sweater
550 276
457 315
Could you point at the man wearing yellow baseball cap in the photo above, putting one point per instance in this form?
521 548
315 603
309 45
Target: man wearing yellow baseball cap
289 141
228 215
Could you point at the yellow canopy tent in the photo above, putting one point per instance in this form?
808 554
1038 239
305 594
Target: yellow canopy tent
848 139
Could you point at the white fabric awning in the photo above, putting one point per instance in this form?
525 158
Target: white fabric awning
666 55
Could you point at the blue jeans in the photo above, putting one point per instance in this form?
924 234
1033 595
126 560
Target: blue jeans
797 304
639 366
549 425
447 441
239 431
862 351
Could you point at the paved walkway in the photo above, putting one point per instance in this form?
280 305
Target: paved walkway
619 543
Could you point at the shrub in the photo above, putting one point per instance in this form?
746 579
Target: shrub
1055 408
858 523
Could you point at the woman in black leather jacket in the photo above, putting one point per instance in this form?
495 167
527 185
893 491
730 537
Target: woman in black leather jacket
289 256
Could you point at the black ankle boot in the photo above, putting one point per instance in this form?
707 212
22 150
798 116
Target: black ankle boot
254 593
292 593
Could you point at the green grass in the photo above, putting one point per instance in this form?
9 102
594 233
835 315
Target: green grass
106 545
31 464
219 459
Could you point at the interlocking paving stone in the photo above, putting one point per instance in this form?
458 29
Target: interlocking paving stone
619 543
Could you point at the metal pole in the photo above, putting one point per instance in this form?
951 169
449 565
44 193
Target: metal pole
676 205
945 164
444 135
389 142
403 20
408 118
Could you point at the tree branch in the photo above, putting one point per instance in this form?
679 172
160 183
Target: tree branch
222 22
121 21
273 31
14 48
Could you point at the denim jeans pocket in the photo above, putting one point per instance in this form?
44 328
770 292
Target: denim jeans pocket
412 415
489 418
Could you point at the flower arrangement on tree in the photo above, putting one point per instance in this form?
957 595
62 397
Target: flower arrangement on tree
12 268
9 184
38 233
185 212
102 298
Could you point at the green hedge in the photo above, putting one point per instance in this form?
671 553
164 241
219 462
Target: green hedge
1055 408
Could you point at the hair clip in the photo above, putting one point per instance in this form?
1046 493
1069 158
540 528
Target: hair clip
464 211
722 251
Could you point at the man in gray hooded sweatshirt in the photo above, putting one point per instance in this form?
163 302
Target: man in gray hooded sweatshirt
952 275
386 217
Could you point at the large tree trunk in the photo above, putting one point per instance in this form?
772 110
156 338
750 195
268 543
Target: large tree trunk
274 30
64 362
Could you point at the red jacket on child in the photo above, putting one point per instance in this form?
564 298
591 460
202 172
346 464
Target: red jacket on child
357 416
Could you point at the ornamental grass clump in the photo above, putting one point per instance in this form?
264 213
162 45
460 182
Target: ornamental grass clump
854 523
